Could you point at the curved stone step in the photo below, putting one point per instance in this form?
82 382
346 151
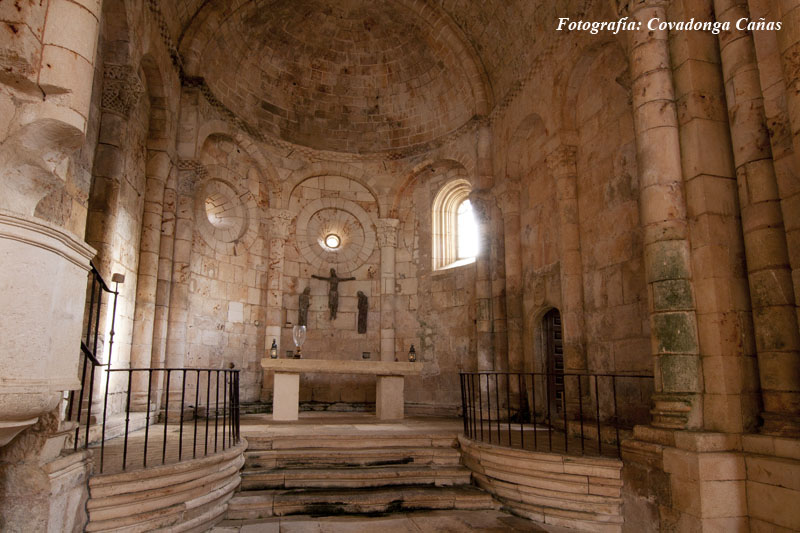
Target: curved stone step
252 505
350 441
355 477
349 458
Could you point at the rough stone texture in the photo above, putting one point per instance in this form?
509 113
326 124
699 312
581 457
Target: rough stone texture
643 184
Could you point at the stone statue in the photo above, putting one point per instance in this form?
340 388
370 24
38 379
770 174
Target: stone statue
305 300
333 291
363 309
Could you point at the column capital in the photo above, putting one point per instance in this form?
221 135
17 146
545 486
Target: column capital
563 159
122 89
386 230
279 222
508 198
481 201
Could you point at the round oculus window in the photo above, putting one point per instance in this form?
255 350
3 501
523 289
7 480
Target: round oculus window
332 241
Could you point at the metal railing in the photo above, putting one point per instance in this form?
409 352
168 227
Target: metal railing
89 350
570 413
220 402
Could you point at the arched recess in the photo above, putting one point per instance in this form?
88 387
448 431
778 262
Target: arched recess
604 235
328 169
422 171
524 156
244 142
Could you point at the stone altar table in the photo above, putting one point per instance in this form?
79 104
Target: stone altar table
390 376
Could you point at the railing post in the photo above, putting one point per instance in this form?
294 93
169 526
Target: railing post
166 418
147 417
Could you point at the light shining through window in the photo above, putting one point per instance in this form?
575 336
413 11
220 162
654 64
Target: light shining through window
467 231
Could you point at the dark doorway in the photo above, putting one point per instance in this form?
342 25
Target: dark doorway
554 350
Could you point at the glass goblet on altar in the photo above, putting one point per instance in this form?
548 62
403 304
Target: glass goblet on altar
299 337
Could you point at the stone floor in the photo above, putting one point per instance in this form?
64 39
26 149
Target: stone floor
421 522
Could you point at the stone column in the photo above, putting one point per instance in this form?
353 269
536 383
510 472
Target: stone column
678 373
164 283
509 202
45 97
181 260
481 207
563 166
47 65
157 170
789 44
279 222
387 240
769 272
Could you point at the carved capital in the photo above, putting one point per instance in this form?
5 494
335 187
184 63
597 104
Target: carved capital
190 173
122 89
386 229
563 160
508 199
481 205
279 222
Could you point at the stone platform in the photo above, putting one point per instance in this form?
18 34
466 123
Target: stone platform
352 463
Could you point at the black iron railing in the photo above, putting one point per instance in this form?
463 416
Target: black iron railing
211 410
570 413
90 345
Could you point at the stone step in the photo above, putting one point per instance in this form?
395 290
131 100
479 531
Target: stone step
439 476
115 427
251 505
350 441
349 458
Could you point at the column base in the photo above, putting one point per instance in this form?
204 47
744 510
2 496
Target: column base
780 425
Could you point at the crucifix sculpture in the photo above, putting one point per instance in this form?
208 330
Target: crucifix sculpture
333 291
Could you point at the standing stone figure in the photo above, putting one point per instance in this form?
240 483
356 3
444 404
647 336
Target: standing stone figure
302 314
333 291
363 309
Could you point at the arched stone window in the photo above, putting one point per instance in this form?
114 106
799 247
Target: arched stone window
455 234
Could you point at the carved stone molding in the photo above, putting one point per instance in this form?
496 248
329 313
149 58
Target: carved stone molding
122 89
387 232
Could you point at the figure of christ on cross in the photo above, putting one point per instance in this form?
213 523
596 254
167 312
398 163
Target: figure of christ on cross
333 291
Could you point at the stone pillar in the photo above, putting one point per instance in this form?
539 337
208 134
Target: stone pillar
47 65
157 170
769 272
279 222
509 202
387 240
164 283
45 95
678 373
563 166
481 207
789 46
181 260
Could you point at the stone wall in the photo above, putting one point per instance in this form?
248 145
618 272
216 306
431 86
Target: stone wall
227 281
434 309
323 205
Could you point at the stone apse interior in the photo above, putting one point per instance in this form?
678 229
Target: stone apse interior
644 184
